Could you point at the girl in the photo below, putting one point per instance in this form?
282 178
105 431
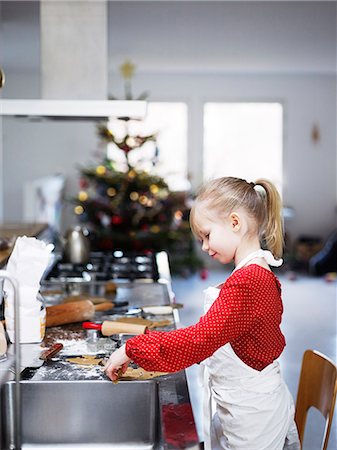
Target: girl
239 337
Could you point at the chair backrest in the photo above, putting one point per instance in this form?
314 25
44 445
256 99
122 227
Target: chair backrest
317 388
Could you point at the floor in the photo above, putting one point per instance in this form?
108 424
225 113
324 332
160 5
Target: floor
309 321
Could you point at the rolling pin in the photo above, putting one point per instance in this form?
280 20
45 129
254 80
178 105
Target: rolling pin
73 312
109 327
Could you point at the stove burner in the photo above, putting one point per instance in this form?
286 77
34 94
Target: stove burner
107 266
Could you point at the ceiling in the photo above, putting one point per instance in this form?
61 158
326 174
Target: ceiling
224 36
194 36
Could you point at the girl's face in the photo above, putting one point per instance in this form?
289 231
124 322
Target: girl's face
219 235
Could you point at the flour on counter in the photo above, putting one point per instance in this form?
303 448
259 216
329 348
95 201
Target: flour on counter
64 370
75 347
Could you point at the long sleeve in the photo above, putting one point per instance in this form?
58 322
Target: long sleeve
230 316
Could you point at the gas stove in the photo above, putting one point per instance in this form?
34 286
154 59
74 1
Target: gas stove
103 266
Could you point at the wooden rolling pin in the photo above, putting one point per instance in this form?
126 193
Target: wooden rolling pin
73 312
109 327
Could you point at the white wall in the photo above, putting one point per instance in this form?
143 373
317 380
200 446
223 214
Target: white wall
1 174
34 149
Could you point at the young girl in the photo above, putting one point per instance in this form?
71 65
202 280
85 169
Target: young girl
239 337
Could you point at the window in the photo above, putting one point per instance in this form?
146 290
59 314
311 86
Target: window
243 140
169 121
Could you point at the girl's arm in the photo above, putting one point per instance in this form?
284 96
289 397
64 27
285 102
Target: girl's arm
230 316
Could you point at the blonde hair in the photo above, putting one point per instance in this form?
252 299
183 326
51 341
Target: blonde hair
260 200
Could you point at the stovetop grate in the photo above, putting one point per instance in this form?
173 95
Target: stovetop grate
103 266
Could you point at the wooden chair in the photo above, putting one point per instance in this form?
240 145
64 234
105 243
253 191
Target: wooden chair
317 388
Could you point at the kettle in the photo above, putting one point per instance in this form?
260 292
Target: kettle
76 245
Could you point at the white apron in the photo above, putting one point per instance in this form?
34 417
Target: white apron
254 409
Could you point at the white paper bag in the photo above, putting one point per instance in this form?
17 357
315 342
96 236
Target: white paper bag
27 263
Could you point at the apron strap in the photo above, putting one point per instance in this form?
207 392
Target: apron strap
207 408
266 254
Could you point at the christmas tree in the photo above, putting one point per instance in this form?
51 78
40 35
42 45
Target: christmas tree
126 206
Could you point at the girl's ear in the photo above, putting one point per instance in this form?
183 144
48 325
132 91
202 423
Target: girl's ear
235 221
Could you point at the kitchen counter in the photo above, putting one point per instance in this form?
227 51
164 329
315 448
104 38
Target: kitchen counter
176 426
13 230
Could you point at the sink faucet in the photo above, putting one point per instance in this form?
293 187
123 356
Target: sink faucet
4 275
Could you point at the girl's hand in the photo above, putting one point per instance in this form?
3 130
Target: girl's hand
118 360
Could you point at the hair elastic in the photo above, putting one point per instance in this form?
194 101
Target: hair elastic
259 189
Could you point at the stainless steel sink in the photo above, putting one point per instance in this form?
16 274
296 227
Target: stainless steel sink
84 414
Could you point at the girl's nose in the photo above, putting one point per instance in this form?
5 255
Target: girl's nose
204 246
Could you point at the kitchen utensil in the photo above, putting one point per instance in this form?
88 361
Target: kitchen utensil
73 312
76 245
153 309
96 343
108 327
106 306
52 351
160 309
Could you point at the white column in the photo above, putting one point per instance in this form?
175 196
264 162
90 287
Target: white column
1 171
74 56
1 129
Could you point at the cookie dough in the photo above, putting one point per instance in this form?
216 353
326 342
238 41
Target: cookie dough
140 374
85 360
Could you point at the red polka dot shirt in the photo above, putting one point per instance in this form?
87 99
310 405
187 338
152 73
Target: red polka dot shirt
247 313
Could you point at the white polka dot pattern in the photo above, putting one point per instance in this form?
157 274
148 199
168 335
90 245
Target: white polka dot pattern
247 314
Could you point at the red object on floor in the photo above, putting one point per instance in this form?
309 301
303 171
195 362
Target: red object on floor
204 274
179 426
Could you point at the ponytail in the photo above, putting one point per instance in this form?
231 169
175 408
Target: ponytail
273 226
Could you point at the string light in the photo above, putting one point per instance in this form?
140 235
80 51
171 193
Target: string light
154 188
111 192
134 196
82 196
178 215
163 194
143 200
154 229
131 141
100 170
78 210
